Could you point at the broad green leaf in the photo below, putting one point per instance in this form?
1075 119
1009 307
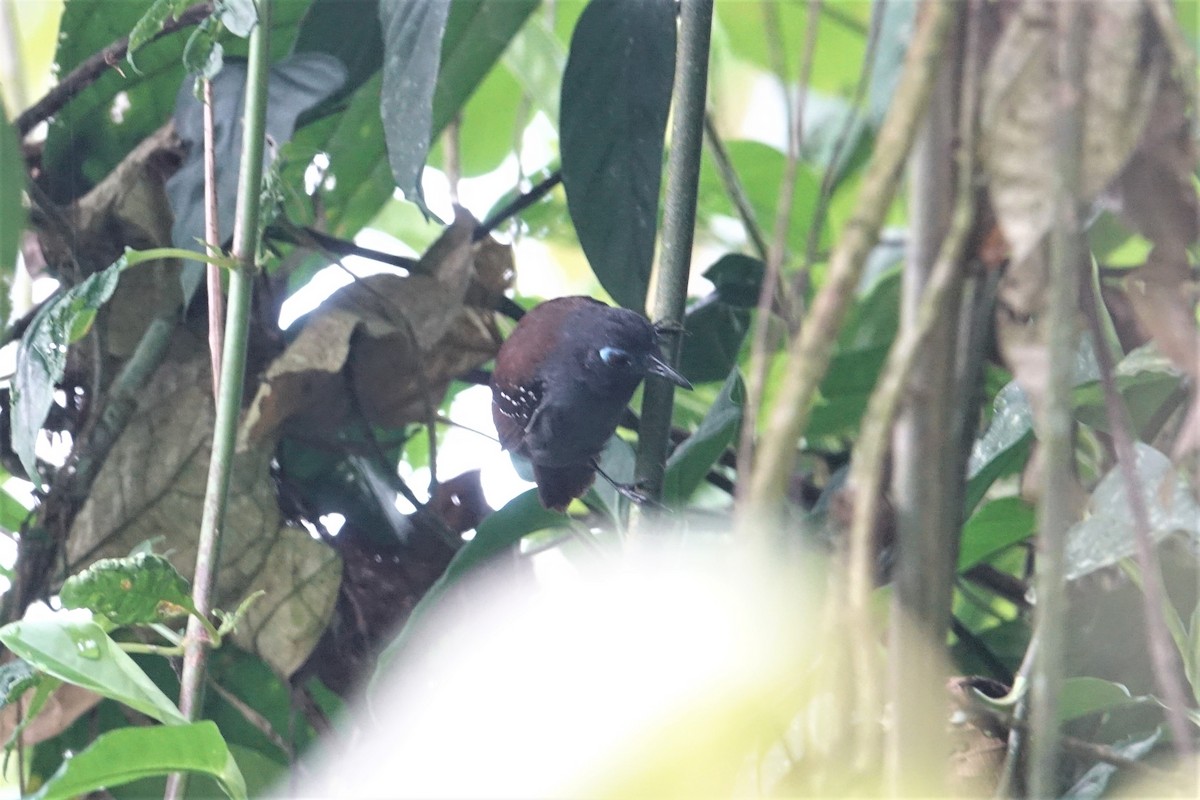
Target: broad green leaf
618 460
1106 535
12 210
840 43
537 61
151 23
761 168
845 392
1083 696
412 42
139 589
83 654
42 356
127 754
997 525
477 32
616 92
691 461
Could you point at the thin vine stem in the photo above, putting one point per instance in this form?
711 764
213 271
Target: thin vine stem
229 399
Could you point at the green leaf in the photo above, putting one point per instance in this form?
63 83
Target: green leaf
477 31
537 61
1106 535
713 334
615 95
136 590
997 525
203 55
691 461
412 42
845 392
12 210
761 169
127 754
1083 696
1003 447
13 512
151 23
238 16
42 356
83 654
16 677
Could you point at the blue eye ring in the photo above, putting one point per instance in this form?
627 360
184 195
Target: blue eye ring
614 357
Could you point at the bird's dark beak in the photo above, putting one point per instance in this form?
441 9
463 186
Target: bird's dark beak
664 370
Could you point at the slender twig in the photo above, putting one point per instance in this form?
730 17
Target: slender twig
812 348
777 252
1158 639
519 204
1054 424
93 67
733 187
825 195
229 399
212 241
679 221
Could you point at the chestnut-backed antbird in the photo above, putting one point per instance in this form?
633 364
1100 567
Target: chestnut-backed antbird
562 380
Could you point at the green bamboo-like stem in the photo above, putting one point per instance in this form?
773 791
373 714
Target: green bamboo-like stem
229 400
812 348
679 222
1054 425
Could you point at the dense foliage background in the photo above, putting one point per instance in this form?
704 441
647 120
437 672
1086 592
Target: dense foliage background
889 196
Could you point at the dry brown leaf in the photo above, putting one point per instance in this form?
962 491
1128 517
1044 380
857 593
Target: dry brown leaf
129 208
1020 111
399 341
152 487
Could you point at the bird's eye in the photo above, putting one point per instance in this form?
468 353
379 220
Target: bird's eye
614 357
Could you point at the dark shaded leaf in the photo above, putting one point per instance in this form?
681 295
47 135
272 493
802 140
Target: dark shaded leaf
691 461
141 589
615 95
412 41
293 85
737 279
358 43
127 754
713 334
42 356
1093 783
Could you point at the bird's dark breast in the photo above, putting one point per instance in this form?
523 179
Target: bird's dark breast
570 433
